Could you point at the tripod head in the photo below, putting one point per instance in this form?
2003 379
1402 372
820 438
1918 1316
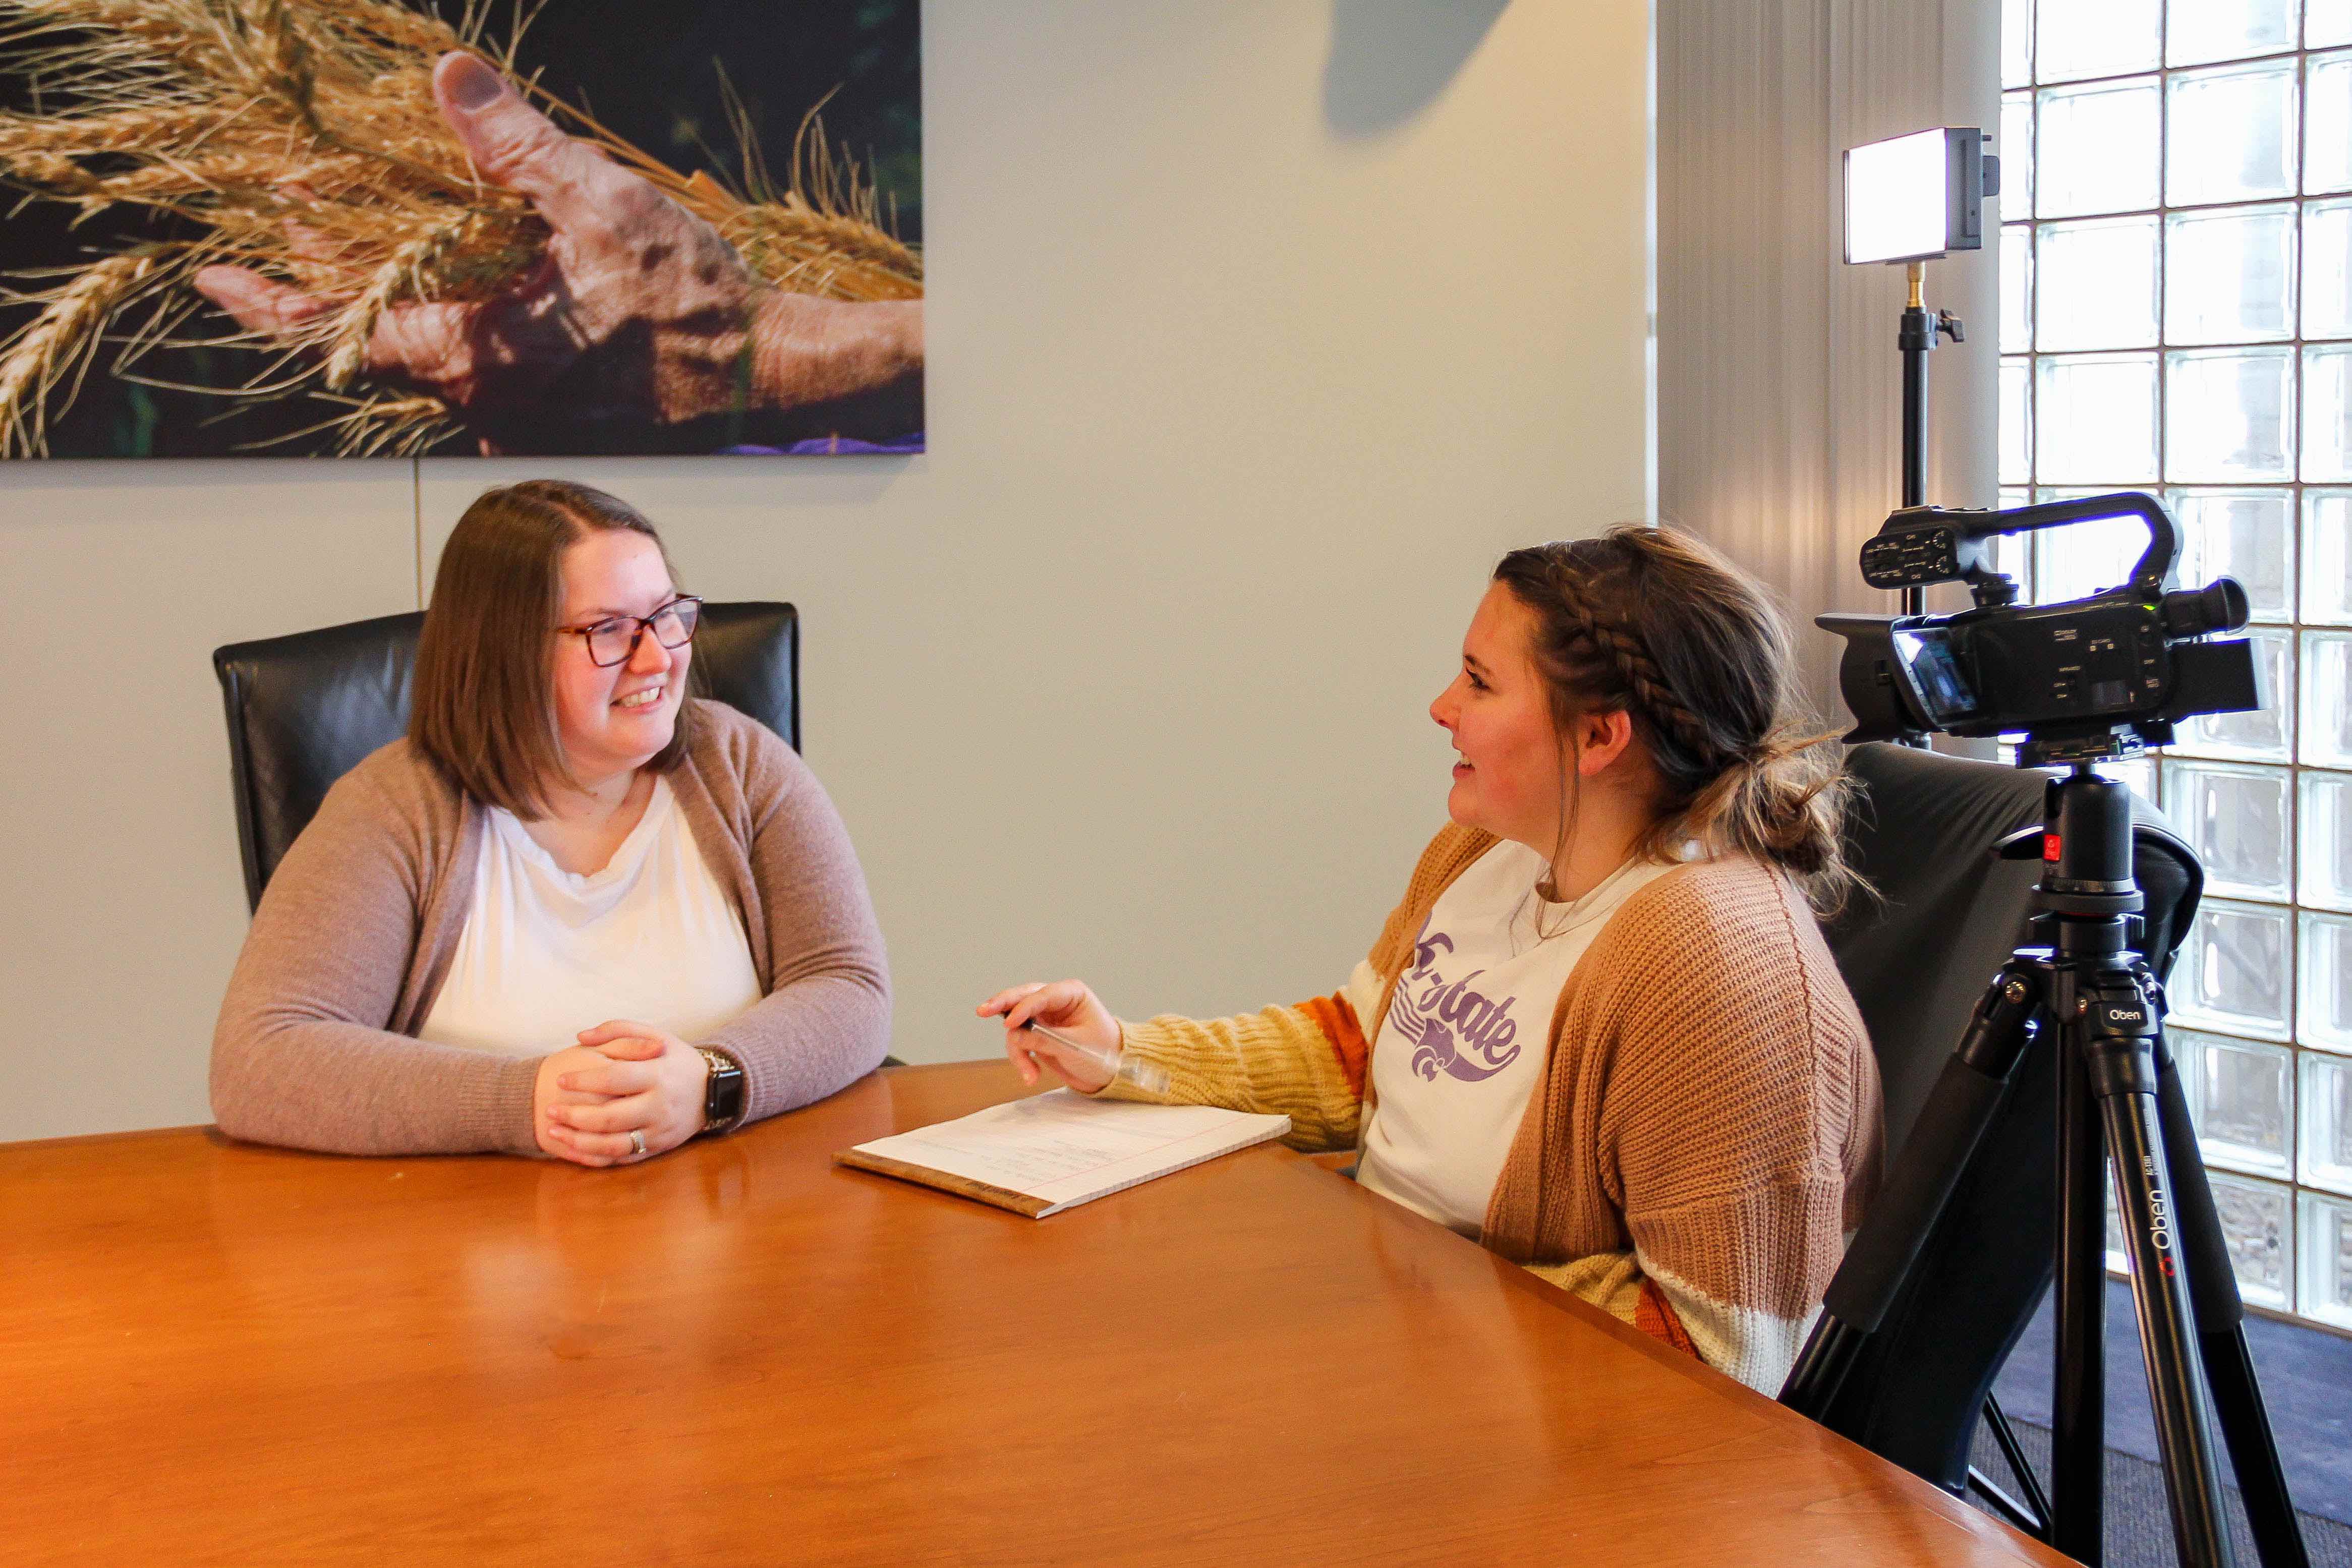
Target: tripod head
2087 904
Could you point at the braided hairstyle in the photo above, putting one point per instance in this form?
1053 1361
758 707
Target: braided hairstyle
1653 622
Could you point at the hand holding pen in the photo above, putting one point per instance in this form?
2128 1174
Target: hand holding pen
1063 1026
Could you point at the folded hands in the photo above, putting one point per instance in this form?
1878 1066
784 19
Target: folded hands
623 1077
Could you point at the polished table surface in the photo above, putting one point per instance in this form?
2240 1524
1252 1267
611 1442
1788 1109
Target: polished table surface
742 1353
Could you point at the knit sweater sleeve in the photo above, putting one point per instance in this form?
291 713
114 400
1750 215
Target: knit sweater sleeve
1737 1070
1708 1128
1305 1061
1614 1283
825 1020
303 1055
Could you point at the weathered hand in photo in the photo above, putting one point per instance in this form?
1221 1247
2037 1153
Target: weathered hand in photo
639 319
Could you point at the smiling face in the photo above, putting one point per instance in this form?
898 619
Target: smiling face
1507 778
613 719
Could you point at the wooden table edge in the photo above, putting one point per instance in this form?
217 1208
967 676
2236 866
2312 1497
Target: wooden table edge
1953 1509
1326 1168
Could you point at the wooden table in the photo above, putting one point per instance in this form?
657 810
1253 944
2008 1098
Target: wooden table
741 1353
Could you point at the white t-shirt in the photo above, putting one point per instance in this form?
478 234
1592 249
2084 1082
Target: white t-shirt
546 953
1468 1028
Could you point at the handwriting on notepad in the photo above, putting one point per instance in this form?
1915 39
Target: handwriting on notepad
1052 1151
1046 1139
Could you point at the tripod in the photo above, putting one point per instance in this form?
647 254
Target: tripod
2089 994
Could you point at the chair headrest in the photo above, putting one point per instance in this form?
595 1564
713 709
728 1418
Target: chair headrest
303 710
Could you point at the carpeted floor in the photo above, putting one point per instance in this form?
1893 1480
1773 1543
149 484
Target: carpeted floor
2306 1382
2306 1379
2138 1522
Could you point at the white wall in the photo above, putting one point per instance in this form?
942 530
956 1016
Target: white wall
1255 331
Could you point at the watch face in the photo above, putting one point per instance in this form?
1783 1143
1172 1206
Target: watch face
723 1101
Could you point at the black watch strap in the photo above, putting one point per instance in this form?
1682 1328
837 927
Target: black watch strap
722 1098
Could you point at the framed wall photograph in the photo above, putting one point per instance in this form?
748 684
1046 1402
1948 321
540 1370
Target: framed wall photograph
395 227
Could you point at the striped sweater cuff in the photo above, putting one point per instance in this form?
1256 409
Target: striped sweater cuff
1275 1061
1756 1347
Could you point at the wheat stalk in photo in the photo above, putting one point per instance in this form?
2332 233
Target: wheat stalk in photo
58 342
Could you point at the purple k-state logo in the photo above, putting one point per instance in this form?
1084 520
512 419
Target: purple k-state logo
1454 1030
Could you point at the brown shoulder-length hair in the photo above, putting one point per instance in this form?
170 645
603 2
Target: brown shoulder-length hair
1653 622
485 706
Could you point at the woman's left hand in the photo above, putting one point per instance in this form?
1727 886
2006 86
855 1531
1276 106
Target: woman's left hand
657 1082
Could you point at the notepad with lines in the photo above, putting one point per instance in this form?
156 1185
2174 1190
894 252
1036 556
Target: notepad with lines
1051 1151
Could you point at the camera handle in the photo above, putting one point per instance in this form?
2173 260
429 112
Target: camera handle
2119 1096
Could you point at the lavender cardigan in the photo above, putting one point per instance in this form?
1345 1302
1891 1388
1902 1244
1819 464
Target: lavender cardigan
316 1046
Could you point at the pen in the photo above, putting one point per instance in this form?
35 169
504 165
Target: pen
1106 1061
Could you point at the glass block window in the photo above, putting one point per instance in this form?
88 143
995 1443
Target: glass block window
2176 316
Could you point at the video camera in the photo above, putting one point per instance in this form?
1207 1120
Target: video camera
2084 680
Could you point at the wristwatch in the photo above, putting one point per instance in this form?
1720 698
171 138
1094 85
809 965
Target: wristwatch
722 1099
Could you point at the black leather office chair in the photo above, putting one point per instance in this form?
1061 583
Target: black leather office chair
304 709
1917 959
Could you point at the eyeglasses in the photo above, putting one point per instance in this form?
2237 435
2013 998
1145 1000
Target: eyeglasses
613 641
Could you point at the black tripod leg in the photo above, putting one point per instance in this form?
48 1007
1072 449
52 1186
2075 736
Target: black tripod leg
2078 1435
2221 1335
2254 1453
2125 1082
2036 1502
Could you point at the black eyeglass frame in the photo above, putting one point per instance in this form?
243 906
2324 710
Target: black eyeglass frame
587 635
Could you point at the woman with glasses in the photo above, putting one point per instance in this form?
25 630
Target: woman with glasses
577 912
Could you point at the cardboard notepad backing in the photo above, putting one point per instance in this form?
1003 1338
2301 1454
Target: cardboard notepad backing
1051 1151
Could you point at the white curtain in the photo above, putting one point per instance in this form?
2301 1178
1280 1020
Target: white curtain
1779 385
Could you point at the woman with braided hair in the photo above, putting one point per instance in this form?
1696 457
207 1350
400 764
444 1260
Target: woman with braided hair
1601 1034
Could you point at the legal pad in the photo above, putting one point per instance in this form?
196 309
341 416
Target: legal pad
1051 1151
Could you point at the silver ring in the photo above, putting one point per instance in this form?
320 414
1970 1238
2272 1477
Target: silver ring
637 1141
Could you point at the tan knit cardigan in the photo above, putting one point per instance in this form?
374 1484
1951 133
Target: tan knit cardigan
316 1049
1708 1105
